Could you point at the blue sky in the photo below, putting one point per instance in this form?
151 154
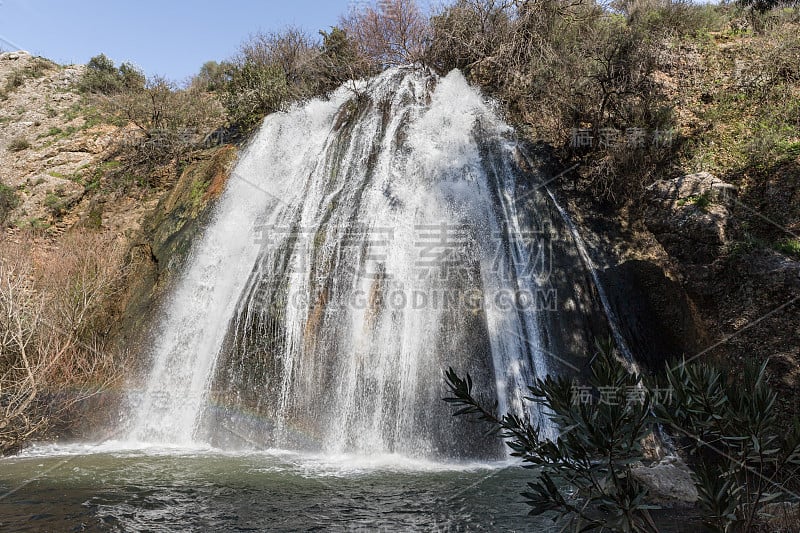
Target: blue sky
170 38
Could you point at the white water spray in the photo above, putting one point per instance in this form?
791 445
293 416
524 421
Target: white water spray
289 305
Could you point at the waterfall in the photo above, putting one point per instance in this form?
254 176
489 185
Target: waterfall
364 243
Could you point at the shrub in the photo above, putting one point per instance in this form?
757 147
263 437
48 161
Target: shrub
740 450
780 62
729 428
585 475
789 247
254 92
131 77
212 77
172 119
395 32
291 51
275 69
44 369
9 200
674 17
339 60
18 144
55 204
467 33
559 65
555 64
762 6
101 75
81 277
270 71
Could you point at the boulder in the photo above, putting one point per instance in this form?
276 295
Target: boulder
691 216
669 482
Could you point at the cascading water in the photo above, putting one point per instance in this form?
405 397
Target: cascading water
363 244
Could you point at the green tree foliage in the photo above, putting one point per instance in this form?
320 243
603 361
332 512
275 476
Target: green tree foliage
340 60
270 71
742 453
584 475
275 69
103 77
213 76
727 428
255 91
762 6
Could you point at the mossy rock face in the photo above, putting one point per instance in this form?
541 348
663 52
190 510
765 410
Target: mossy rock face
167 237
184 211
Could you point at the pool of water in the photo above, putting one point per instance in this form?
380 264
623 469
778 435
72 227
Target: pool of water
112 487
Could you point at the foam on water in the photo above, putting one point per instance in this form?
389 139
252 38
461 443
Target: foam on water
274 460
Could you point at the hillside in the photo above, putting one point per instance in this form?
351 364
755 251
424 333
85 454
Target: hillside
85 225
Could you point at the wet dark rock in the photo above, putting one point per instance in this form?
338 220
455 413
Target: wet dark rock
656 316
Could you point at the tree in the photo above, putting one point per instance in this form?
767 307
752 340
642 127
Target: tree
131 78
762 6
212 76
291 51
340 60
255 91
271 70
468 33
394 33
54 320
103 77
170 118
742 453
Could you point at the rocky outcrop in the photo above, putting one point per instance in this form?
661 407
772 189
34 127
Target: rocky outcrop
691 216
165 238
66 169
53 148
